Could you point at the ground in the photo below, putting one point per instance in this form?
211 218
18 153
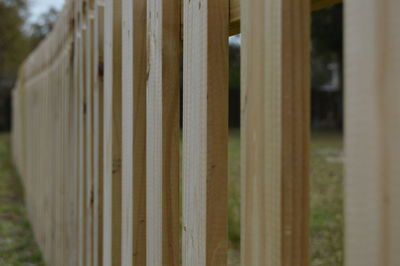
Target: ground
17 246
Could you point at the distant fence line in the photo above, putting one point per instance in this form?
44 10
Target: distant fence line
96 132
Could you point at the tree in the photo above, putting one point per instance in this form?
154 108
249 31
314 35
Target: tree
327 42
14 44
14 47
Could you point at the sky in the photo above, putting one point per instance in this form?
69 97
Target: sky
37 7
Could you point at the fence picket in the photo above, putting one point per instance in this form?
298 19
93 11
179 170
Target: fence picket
98 92
163 41
205 132
372 130
112 133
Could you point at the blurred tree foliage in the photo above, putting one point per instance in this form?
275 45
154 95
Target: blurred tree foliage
327 67
14 43
327 42
14 47
17 39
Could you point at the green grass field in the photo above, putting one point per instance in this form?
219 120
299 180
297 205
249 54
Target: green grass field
326 198
17 246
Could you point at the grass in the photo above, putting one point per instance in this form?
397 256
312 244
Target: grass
17 244
326 221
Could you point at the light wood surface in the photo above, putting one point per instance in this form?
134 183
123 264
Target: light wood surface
164 44
372 130
134 73
112 133
275 132
205 132
98 92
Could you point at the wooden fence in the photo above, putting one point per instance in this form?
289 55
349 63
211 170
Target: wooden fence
96 132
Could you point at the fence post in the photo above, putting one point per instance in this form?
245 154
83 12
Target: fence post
275 132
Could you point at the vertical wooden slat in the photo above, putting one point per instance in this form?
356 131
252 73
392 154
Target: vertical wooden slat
89 20
275 132
170 89
205 132
81 187
127 132
112 133
134 132
372 129
98 93
163 42
139 131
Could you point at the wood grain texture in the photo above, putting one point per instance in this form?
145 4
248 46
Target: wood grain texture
98 92
205 132
164 44
275 132
127 133
372 181
154 132
139 131
112 133
82 132
134 132
89 133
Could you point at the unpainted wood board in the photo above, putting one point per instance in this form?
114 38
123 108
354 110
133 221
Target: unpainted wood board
205 132
98 59
139 131
163 230
274 132
89 136
127 132
372 128
113 133
170 81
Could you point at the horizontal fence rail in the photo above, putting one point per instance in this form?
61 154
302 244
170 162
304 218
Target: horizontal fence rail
96 132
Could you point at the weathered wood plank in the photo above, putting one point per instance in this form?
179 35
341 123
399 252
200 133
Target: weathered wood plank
82 144
275 132
98 133
134 132
205 132
127 132
139 131
372 130
164 43
89 64
112 133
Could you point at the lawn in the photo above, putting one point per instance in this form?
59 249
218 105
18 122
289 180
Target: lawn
326 199
17 246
